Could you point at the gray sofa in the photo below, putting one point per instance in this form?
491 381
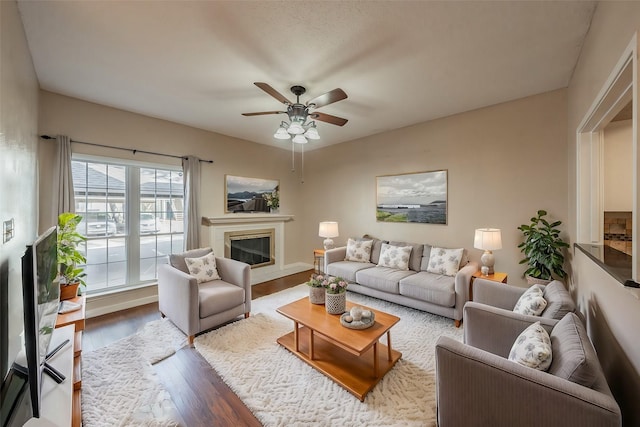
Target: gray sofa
476 384
415 288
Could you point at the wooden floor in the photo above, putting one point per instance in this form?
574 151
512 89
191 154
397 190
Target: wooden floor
200 395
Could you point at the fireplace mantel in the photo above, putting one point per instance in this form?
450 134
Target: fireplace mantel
245 218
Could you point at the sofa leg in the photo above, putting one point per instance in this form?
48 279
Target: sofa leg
246 315
162 315
457 323
191 338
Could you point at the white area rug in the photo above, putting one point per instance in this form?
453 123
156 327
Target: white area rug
281 390
119 385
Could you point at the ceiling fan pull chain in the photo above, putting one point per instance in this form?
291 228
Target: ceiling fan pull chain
301 163
293 157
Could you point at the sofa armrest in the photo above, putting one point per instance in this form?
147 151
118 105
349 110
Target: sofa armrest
494 329
334 255
237 273
461 286
496 294
477 388
178 298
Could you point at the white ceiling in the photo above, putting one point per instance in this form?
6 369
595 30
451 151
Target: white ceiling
400 62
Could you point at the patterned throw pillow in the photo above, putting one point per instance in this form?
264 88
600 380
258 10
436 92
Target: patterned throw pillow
444 261
395 256
531 302
203 268
358 250
532 348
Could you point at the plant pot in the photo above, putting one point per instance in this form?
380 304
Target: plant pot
316 295
335 303
69 291
535 281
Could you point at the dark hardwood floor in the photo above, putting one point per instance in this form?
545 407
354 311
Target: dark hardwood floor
200 395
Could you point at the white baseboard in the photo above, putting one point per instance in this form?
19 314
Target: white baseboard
116 301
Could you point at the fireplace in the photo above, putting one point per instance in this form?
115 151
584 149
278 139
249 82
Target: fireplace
255 247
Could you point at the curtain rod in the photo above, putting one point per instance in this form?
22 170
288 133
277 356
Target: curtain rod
134 151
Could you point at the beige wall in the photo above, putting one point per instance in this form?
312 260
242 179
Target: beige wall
610 320
18 168
504 163
618 167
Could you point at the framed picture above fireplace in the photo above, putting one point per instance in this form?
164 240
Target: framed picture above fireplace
243 194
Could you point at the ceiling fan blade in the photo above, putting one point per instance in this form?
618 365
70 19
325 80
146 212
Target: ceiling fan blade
271 91
334 120
262 113
328 98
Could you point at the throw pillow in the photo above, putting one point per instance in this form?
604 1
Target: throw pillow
395 256
203 268
358 250
531 302
444 261
532 348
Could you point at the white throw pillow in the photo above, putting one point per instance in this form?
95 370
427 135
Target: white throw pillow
531 302
358 250
532 348
395 256
444 261
203 268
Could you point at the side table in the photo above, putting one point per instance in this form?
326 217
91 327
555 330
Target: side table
318 260
496 277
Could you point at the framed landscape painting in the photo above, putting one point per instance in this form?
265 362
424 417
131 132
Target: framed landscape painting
419 197
244 194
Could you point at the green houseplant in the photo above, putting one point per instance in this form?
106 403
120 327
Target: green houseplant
542 248
69 257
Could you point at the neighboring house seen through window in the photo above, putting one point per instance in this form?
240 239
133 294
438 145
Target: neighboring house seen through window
132 218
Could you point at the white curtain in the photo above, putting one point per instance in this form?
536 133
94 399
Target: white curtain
63 178
191 170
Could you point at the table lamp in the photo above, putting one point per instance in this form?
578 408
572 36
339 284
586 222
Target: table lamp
328 229
487 239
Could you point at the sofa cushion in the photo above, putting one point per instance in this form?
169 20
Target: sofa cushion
203 268
358 250
531 302
426 254
217 296
429 287
559 301
347 269
532 348
574 358
444 261
177 260
416 254
395 256
382 278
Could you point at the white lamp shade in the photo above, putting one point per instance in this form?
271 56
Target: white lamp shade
299 139
488 239
282 133
295 128
312 133
328 229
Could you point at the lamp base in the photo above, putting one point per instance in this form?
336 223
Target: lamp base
488 261
328 244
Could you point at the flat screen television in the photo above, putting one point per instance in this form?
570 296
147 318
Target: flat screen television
41 297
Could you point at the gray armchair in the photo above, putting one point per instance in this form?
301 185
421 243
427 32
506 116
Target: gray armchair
194 307
477 385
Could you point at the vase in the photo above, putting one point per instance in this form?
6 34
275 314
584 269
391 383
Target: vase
335 303
69 291
316 295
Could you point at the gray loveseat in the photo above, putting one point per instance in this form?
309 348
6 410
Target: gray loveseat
477 385
416 287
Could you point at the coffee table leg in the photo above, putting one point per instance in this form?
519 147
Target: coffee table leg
389 345
296 336
311 343
375 359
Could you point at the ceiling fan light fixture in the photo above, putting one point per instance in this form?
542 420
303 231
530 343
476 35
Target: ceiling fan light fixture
299 139
282 133
312 132
295 128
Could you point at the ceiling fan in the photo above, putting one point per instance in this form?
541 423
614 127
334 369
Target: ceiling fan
299 113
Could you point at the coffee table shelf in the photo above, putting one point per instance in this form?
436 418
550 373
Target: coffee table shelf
354 359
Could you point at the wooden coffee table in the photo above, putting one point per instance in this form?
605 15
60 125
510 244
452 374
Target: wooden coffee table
352 358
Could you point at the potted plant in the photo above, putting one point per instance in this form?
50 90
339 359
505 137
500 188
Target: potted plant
542 248
70 275
272 199
335 299
316 289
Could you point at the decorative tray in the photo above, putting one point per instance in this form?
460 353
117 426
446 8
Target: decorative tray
358 324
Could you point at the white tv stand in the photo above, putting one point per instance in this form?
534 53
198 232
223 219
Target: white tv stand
57 398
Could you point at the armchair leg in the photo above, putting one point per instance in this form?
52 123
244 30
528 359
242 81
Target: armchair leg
457 323
162 314
246 315
191 337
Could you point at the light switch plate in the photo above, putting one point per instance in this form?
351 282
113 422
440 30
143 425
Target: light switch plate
8 230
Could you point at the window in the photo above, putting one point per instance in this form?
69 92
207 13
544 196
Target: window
132 218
